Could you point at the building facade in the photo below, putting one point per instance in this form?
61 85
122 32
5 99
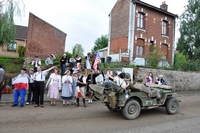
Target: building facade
43 39
136 26
20 40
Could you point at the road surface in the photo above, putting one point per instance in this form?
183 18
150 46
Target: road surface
96 118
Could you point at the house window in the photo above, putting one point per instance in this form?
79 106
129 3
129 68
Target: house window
140 20
12 47
164 50
139 50
164 28
140 47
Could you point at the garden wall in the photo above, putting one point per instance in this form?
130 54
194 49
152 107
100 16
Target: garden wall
183 81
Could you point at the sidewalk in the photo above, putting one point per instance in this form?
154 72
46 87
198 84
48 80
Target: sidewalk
8 98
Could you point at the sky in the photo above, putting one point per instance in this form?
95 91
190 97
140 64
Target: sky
83 20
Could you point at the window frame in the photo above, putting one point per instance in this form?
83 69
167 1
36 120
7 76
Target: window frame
12 48
141 20
165 28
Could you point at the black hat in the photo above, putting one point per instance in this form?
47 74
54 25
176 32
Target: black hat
24 69
122 75
36 56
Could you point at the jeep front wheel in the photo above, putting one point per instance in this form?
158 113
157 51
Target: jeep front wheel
131 110
172 105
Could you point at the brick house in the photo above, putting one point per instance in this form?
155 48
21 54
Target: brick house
136 26
43 38
20 40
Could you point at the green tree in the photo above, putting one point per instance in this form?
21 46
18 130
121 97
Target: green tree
78 50
7 27
100 43
179 61
189 41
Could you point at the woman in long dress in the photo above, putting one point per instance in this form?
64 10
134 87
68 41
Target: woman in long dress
67 88
88 66
54 83
74 85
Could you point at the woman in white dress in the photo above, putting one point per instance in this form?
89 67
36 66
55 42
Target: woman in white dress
88 66
54 83
67 88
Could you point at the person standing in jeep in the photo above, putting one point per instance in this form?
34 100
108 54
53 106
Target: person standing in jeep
36 63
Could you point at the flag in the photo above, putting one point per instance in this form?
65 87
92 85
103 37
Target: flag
97 60
21 83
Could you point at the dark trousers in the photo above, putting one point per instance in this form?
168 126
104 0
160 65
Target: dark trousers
30 90
63 67
35 69
0 93
39 92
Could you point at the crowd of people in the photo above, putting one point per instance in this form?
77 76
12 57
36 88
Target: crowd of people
69 85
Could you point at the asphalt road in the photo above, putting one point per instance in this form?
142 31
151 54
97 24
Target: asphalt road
96 118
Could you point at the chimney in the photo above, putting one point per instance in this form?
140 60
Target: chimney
164 6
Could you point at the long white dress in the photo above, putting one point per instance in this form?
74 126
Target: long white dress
88 66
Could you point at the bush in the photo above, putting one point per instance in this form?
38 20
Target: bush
21 51
154 57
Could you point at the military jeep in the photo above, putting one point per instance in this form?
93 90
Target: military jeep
140 97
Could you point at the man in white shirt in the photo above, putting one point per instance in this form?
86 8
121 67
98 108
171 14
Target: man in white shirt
39 78
49 60
36 63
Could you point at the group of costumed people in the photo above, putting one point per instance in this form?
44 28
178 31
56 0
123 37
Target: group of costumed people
71 82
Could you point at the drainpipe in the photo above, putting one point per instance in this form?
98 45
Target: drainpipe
173 45
131 30
109 32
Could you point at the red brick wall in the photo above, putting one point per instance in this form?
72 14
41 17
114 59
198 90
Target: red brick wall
153 27
118 43
43 39
119 26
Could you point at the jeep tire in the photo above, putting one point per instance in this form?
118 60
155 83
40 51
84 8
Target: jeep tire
131 110
172 105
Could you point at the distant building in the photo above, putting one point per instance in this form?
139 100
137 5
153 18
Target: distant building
43 38
40 38
136 26
10 49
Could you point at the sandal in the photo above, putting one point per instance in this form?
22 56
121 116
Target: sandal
42 106
51 104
